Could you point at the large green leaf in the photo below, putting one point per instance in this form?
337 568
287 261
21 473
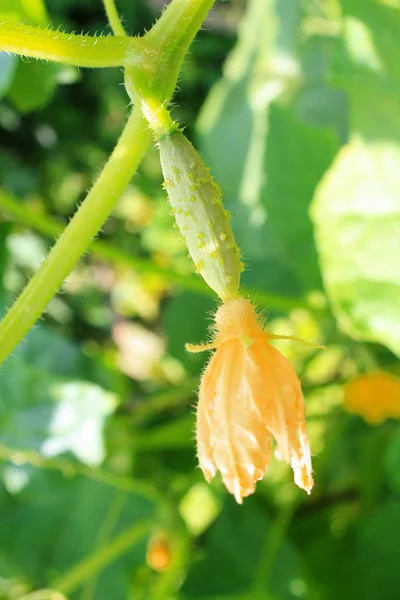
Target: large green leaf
356 210
268 147
297 156
357 218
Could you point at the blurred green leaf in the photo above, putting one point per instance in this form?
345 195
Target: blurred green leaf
357 206
44 410
392 460
377 575
65 521
357 218
370 41
45 413
7 68
278 150
33 86
4 231
33 11
235 547
186 319
327 553
297 156
34 82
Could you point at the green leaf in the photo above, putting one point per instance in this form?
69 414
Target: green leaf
45 403
356 214
357 206
370 41
377 576
4 231
392 460
32 12
7 68
263 111
185 320
235 546
33 86
66 520
297 156
30 84
42 412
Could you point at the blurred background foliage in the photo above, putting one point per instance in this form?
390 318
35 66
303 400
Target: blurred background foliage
294 104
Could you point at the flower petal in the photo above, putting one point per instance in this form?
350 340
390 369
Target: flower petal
240 442
282 399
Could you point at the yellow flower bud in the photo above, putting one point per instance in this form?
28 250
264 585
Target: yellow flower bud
248 395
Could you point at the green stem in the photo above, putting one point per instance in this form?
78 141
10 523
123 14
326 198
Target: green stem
105 532
164 401
113 17
167 42
75 239
70 468
107 554
190 15
275 538
68 48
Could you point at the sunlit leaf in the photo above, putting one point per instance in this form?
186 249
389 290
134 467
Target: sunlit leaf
279 146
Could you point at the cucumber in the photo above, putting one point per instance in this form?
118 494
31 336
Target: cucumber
196 201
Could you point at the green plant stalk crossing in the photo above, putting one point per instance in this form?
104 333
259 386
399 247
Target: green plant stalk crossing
183 16
75 239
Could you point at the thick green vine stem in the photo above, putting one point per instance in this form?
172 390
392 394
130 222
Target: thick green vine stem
151 75
75 239
69 49
153 79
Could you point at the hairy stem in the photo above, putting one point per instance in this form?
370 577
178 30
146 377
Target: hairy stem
113 17
68 48
174 31
75 239
167 43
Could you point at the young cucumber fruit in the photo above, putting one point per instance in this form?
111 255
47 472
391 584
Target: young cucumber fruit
196 201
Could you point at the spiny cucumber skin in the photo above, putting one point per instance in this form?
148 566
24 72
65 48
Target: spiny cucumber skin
196 202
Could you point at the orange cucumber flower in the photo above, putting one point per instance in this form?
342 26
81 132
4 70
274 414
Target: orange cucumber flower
248 395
